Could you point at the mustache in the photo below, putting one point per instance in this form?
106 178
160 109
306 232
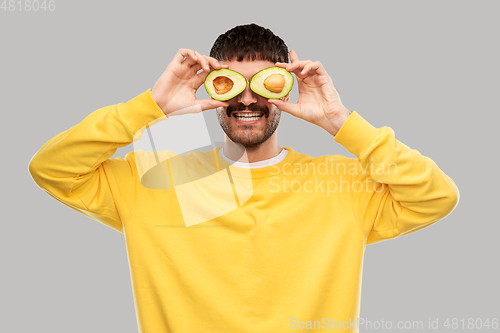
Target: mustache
251 107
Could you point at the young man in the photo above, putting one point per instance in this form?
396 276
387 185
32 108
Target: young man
280 245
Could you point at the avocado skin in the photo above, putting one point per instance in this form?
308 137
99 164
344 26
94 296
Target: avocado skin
257 82
240 84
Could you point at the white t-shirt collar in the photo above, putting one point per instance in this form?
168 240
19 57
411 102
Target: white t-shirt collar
260 164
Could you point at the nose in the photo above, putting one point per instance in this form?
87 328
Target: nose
247 97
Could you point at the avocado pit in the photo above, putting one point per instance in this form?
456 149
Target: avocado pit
274 83
222 84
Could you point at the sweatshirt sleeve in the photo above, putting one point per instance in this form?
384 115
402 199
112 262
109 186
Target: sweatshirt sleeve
75 166
394 189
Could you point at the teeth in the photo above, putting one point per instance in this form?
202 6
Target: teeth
248 116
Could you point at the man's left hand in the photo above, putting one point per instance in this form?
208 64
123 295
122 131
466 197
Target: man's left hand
319 102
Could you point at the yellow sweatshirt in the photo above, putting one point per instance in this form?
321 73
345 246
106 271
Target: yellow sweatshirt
281 252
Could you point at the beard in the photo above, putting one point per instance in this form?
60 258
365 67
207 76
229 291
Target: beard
247 135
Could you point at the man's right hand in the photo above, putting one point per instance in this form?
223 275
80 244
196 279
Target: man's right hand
175 90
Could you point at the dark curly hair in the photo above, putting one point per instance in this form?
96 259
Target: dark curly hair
249 42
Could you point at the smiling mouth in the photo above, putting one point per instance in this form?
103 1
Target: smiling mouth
247 115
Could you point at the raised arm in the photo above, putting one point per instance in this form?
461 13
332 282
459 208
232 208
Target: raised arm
394 189
75 166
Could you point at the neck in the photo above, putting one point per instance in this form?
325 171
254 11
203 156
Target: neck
264 151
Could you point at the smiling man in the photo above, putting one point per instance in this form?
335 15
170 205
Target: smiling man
262 49
286 256
250 119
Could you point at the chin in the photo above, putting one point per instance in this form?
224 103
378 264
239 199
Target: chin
247 143
250 136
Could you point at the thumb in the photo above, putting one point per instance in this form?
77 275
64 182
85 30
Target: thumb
209 103
289 107
197 107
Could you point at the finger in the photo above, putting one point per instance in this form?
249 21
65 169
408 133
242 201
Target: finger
202 75
315 66
209 103
191 58
183 53
207 62
214 63
298 66
196 67
289 107
205 65
293 56
282 64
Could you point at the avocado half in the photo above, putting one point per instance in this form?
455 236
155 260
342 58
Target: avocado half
224 84
273 82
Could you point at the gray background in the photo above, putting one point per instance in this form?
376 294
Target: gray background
428 69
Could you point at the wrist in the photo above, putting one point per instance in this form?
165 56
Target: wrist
158 99
336 122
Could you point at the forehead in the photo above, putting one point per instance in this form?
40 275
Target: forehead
248 67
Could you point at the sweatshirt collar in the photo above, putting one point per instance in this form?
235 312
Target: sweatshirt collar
267 171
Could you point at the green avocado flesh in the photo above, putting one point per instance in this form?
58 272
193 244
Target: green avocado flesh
224 84
273 82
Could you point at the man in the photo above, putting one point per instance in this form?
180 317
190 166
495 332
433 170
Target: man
282 254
